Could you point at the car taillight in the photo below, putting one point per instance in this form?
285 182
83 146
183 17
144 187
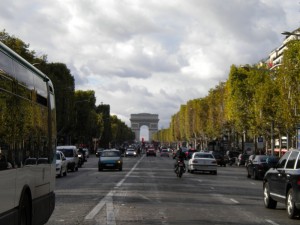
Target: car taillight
214 162
298 181
195 161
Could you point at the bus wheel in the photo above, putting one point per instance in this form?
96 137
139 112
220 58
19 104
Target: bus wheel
25 210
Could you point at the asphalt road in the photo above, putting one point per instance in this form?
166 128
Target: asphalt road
147 191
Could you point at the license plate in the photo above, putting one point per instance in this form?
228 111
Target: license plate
109 164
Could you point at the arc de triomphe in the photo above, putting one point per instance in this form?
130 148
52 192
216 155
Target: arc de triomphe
144 119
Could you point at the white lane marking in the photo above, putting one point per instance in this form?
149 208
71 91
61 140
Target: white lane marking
108 198
110 216
233 200
272 222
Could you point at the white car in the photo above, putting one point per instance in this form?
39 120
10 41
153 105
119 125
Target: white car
71 155
202 161
61 164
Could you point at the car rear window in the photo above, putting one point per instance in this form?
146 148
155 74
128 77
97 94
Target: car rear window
208 156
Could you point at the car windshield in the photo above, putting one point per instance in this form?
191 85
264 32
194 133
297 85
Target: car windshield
110 154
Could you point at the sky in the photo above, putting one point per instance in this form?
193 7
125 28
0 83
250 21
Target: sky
150 56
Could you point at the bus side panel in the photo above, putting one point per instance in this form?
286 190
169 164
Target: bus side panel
26 143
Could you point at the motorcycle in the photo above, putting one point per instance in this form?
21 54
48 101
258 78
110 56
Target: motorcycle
179 169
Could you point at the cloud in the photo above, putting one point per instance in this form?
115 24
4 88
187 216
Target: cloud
150 56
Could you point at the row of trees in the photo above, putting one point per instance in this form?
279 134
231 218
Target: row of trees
79 119
253 102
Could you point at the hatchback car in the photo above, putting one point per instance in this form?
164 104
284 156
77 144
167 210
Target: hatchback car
61 164
202 161
110 159
282 184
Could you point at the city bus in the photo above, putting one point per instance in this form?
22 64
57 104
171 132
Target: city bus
27 142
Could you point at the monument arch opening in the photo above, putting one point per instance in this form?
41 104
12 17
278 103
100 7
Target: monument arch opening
144 119
144 133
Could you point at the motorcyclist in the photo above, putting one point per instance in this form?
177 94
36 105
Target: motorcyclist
180 157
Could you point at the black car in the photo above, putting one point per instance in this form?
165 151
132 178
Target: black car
221 161
258 165
282 184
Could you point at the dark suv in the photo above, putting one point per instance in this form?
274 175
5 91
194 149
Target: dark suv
282 184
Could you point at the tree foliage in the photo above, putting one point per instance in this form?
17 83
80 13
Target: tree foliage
79 121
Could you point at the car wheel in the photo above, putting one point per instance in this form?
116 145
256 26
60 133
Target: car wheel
268 201
291 209
120 169
100 168
192 171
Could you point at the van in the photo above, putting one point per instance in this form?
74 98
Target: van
71 155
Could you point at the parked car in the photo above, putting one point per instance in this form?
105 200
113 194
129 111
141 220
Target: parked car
219 158
61 164
110 159
71 155
241 159
164 152
151 151
258 165
130 152
202 161
281 184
